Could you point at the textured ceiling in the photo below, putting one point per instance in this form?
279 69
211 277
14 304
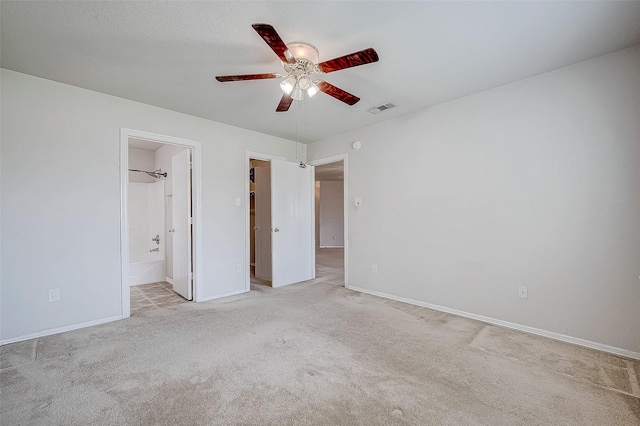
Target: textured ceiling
167 53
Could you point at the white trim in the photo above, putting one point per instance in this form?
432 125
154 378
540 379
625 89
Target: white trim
220 296
247 203
169 280
531 330
312 248
125 291
331 246
59 330
345 163
196 200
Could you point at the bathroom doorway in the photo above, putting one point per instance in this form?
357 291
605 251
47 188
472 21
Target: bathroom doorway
159 218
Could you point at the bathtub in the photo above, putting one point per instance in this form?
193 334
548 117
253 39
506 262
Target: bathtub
147 272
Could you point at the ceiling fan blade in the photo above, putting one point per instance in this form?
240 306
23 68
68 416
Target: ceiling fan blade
363 57
225 78
271 37
285 103
337 93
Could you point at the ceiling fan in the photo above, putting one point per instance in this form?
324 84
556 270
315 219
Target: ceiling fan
300 61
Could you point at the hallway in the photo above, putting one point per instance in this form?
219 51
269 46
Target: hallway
330 265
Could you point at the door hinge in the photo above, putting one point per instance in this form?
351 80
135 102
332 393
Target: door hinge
191 276
190 221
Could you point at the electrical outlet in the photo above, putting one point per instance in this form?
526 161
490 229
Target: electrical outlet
523 292
375 268
238 202
238 268
54 294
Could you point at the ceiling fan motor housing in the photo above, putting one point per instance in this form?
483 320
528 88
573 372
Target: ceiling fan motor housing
307 58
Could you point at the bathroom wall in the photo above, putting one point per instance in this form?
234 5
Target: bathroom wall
146 220
141 159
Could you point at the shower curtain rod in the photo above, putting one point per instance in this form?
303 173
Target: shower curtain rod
156 173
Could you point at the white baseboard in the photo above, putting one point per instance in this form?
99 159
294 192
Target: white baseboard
169 280
59 330
331 246
550 334
220 296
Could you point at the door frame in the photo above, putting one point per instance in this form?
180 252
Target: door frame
327 160
196 206
247 203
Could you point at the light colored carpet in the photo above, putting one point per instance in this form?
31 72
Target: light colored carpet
311 353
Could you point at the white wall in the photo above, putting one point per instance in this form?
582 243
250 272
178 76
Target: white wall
331 214
69 238
535 183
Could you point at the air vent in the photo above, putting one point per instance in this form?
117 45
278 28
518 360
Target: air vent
380 108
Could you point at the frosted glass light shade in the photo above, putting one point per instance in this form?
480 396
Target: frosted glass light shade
288 84
304 82
312 90
297 93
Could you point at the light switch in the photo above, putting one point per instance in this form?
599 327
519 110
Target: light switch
358 201
238 202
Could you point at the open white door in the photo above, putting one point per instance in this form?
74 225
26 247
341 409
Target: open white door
263 222
292 222
181 214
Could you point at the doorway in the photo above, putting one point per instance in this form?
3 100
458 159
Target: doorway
160 236
331 220
260 221
285 189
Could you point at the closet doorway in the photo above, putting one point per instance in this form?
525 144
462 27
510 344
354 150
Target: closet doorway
279 221
260 221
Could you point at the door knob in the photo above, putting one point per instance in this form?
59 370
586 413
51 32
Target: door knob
276 230
172 230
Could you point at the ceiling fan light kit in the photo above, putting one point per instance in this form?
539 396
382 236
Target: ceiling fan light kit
300 62
299 73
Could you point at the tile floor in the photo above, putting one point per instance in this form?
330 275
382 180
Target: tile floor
147 297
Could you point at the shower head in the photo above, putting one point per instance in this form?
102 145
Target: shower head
157 174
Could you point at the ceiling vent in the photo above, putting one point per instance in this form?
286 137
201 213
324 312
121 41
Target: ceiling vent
380 108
